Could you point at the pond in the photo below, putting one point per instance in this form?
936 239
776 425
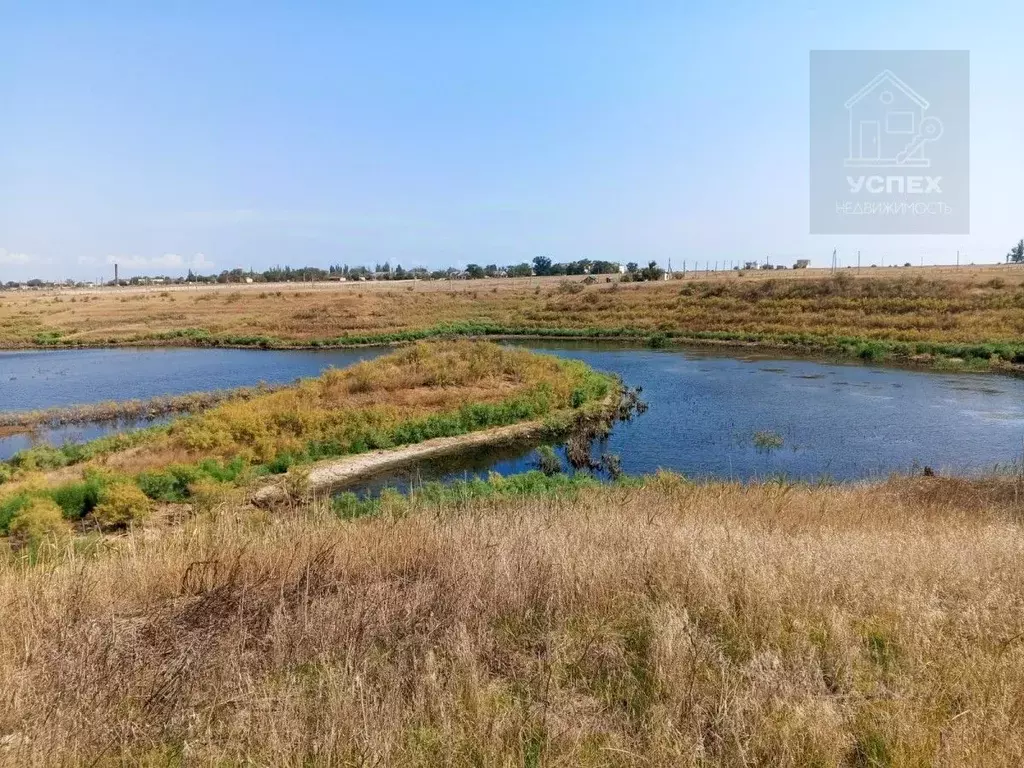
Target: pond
835 420
33 380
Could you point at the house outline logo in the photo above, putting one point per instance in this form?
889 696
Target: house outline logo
889 125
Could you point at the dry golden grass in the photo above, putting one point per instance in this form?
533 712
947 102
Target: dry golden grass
669 625
924 304
341 405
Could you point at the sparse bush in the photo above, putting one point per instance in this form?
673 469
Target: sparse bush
296 483
207 494
570 287
548 461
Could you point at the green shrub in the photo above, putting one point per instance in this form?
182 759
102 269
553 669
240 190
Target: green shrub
40 457
78 499
579 397
871 351
121 505
281 463
9 508
230 472
171 485
348 506
38 521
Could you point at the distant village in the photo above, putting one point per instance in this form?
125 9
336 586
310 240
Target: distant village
540 267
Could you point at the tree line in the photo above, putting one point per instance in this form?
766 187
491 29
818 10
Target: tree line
542 266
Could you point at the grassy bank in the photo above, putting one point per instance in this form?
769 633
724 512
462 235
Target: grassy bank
418 393
872 317
660 623
1001 356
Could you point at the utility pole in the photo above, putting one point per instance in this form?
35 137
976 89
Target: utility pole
958 258
834 252
858 262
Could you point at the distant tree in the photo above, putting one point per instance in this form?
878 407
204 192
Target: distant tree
632 267
581 267
652 272
475 271
1016 254
520 270
604 268
491 270
542 266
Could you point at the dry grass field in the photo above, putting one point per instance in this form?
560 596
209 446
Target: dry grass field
972 304
663 625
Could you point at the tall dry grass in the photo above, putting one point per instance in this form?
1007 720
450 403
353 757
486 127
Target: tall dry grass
666 625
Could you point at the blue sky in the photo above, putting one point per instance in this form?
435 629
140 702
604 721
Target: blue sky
223 135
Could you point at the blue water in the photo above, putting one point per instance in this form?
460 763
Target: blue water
836 420
34 380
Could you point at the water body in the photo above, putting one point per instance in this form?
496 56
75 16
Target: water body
34 380
839 421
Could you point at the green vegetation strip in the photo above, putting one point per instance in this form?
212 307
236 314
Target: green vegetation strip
435 494
993 353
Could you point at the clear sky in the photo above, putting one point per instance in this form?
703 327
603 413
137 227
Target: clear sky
220 135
